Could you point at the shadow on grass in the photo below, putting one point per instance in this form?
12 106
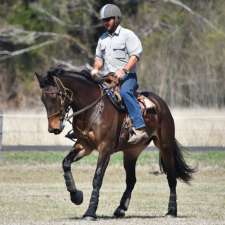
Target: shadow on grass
104 217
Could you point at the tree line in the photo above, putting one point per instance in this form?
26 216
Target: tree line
183 58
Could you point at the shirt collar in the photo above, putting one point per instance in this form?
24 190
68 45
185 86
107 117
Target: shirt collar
116 32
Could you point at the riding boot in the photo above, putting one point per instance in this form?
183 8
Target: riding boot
70 135
138 135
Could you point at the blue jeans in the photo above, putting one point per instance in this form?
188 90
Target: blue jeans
128 87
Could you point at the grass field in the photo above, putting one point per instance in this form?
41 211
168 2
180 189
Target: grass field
32 190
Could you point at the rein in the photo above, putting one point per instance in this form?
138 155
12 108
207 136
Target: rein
86 107
66 93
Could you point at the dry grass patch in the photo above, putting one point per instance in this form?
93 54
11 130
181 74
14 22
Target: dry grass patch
36 194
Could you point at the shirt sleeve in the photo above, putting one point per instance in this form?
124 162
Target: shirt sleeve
98 52
133 45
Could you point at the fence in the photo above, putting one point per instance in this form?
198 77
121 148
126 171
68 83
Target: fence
1 125
204 128
201 127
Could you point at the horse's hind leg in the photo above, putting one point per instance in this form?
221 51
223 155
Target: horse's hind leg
130 159
168 165
77 152
172 205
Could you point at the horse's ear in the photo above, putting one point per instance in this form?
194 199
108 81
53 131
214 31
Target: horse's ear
59 83
39 77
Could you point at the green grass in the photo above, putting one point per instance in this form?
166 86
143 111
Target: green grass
211 158
32 157
49 157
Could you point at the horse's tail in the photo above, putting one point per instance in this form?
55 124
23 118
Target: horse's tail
171 154
182 170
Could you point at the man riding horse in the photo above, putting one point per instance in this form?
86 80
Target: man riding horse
118 51
98 125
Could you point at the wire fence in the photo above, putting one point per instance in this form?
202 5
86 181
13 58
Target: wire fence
1 125
26 131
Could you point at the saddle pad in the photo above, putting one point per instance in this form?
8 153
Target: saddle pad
145 103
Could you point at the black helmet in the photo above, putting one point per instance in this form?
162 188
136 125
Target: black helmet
110 10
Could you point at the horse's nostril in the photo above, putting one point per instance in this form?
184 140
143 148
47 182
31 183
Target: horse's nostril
50 130
57 131
54 130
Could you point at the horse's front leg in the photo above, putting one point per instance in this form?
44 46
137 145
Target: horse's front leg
102 164
78 151
129 166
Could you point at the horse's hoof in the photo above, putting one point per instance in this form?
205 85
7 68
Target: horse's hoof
89 218
171 215
76 197
119 213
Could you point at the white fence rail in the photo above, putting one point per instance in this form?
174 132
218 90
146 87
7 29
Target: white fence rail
202 127
1 124
30 129
193 128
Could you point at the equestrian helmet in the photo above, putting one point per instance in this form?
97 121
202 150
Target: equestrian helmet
110 10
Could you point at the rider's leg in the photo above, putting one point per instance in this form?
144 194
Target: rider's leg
128 87
127 90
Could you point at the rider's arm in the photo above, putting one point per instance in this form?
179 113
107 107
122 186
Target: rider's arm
98 63
127 68
131 63
134 50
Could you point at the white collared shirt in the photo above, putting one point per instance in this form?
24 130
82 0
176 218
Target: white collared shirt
116 49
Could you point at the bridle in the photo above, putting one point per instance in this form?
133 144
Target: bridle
66 98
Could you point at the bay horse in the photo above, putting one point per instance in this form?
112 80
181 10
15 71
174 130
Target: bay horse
97 125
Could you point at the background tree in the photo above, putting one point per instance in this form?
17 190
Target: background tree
183 59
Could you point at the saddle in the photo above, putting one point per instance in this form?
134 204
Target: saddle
111 87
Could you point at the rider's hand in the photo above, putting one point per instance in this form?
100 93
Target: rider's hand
94 72
120 74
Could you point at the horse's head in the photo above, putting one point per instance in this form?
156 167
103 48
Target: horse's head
56 99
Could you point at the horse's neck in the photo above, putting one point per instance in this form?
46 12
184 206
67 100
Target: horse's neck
84 92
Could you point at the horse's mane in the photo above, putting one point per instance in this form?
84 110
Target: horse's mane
64 71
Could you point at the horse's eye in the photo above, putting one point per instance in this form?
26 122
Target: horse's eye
53 95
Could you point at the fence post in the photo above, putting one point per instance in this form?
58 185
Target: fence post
1 126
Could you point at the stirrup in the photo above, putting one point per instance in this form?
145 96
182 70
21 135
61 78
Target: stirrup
71 135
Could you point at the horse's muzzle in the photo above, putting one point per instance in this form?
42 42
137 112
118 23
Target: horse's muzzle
54 131
57 130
